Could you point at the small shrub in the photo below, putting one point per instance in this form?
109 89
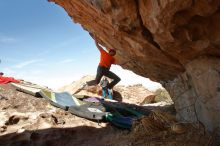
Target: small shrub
162 95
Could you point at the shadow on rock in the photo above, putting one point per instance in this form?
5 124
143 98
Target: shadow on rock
82 135
117 96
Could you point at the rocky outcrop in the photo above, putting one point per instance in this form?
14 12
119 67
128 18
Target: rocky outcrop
158 37
162 40
134 94
26 120
197 92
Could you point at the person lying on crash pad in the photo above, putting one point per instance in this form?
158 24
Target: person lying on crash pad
5 80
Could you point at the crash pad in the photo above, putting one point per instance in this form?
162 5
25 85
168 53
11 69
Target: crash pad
60 99
92 111
120 121
122 116
75 106
28 88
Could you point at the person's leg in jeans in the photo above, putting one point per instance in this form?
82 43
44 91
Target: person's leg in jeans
113 76
98 77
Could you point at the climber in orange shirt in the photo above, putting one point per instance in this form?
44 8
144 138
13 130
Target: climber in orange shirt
106 60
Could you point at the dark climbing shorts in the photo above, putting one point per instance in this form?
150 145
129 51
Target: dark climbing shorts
103 71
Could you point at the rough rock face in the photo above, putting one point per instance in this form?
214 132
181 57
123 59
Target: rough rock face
162 40
197 93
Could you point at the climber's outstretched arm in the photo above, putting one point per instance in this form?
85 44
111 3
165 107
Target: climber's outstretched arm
98 46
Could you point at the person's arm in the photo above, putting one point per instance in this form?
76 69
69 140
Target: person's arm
98 46
96 43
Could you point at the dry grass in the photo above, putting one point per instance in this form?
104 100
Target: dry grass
162 129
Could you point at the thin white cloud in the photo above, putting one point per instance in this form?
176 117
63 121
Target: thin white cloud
88 51
69 42
5 39
66 61
46 52
27 63
29 75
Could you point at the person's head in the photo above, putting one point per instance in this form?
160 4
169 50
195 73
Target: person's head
112 52
1 73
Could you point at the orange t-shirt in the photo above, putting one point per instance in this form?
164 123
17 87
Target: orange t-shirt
106 60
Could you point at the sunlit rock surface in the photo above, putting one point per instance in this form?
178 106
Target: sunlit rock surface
163 40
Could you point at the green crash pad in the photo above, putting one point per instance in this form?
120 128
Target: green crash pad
62 100
122 116
77 107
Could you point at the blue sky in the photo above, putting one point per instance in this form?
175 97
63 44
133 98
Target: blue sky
39 42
